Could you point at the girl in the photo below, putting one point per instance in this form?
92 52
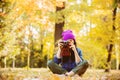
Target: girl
68 60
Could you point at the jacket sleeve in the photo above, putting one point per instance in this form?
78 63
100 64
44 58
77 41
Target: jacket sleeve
56 60
80 53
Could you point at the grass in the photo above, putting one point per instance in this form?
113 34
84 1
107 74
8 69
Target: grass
46 74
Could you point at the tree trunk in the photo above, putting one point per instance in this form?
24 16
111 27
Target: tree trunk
13 62
5 63
117 45
110 46
58 26
117 55
28 59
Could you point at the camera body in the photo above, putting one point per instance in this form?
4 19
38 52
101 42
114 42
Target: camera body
65 43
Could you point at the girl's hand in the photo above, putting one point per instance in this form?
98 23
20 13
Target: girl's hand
72 46
60 44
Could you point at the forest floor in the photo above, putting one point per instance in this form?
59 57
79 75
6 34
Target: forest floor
46 74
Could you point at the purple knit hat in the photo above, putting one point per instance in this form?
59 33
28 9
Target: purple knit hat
68 34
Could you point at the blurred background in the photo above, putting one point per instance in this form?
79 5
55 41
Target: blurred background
30 29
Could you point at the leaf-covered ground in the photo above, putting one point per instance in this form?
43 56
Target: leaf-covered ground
45 74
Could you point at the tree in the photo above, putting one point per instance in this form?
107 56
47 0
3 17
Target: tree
110 46
24 17
59 21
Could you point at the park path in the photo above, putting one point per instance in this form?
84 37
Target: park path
46 74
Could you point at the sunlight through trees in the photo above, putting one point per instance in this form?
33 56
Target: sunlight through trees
28 31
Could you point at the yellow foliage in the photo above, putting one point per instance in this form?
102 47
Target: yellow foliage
103 4
35 13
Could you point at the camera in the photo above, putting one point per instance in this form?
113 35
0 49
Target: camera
65 43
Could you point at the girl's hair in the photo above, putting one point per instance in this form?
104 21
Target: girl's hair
71 52
75 42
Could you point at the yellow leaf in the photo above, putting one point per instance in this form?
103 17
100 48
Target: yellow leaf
54 77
